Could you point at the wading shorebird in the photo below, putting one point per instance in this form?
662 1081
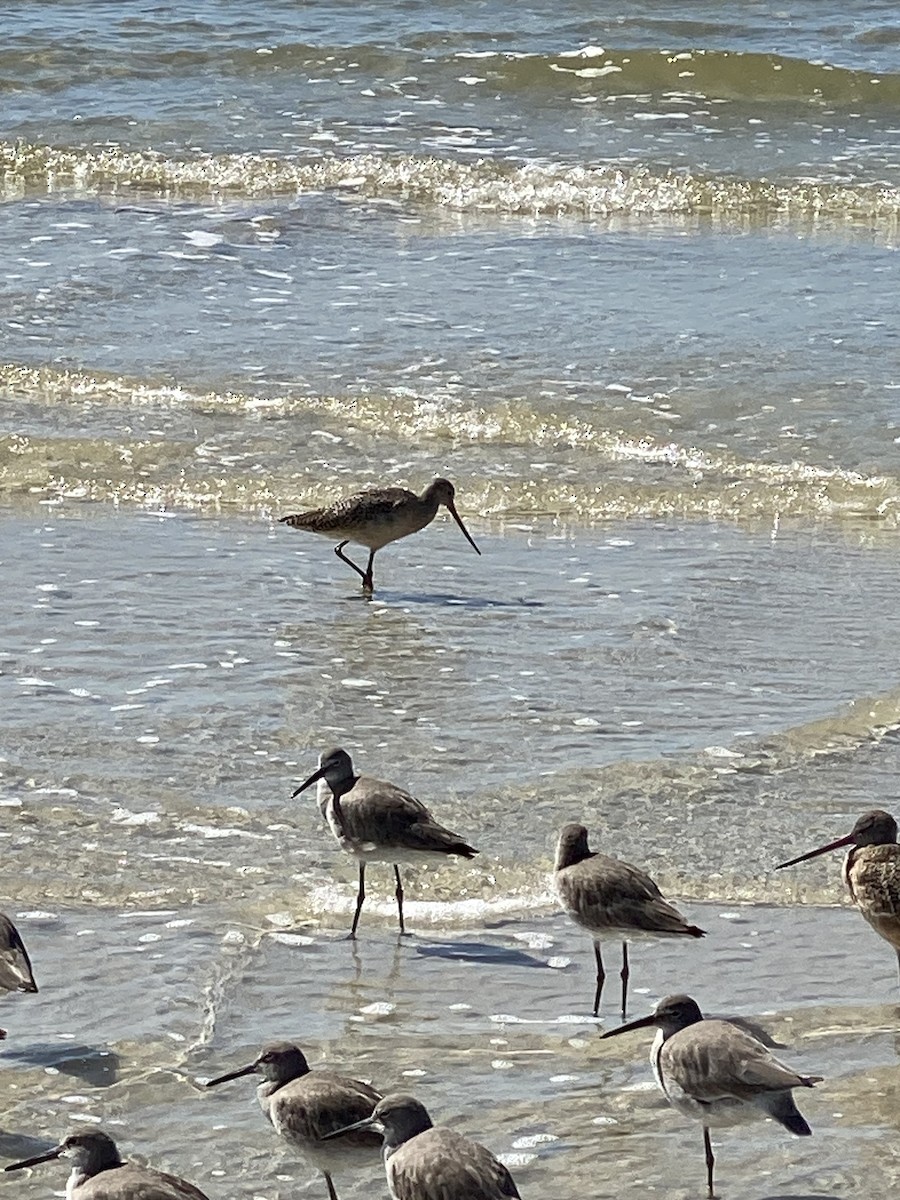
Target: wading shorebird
375 518
871 872
98 1173
16 974
612 900
717 1073
427 1163
307 1107
378 822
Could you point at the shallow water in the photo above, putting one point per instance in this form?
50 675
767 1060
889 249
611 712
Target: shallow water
629 281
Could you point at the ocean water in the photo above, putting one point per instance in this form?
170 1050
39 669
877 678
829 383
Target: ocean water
629 280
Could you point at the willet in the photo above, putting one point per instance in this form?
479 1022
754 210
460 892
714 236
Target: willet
305 1106
871 872
423 1162
98 1173
378 822
716 1073
16 974
376 517
612 900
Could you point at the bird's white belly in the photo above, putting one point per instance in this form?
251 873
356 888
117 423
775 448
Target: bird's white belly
602 932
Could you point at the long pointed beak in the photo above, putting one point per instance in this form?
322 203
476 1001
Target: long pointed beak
451 508
640 1023
238 1074
314 778
367 1123
33 1162
849 840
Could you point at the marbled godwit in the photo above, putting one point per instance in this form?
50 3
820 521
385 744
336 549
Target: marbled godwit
378 822
612 900
427 1163
716 1073
871 872
98 1173
15 965
375 518
305 1107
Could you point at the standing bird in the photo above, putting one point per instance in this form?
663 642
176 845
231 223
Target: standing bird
98 1173
612 900
427 1163
376 517
378 822
15 965
305 1107
717 1073
871 872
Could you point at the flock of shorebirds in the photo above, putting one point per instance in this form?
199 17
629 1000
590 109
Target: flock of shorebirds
712 1070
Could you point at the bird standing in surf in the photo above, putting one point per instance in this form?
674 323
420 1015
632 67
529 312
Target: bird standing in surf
425 1162
99 1173
717 1073
376 517
871 872
612 900
378 822
308 1108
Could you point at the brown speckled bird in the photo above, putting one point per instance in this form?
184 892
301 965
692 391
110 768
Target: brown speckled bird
98 1173
376 517
871 872
612 900
304 1106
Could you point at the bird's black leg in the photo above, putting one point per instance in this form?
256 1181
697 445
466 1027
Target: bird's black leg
368 583
898 958
360 896
624 973
710 1161
339 551
399 894
332 1194
601 976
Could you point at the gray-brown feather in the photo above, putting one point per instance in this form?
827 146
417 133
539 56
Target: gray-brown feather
15 966
874 881
304 1110
382 812
132 1182
605 893
714 1060
442 1165
373 518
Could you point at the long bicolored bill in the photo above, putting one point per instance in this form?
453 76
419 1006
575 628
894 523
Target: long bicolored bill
451 508
238 1074
314 778
640 1023
849 840
366 1123
33 1162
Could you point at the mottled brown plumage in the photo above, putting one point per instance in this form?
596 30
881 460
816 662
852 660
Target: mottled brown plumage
427 1163
376 517
871 872
717 1073
306 1107
378 822
98 1172
612 899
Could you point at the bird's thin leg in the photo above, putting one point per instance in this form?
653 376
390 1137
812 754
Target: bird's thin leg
710 1161
332 1194
360 896
601 975
399 894
339 551
368 584
624 974
898 958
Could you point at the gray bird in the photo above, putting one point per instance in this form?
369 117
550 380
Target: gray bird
305 1107
376 517
16 974
378 822
98 1173
423 1162
612 900
716 1073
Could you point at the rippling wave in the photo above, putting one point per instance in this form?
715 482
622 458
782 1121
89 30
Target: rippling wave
485 185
